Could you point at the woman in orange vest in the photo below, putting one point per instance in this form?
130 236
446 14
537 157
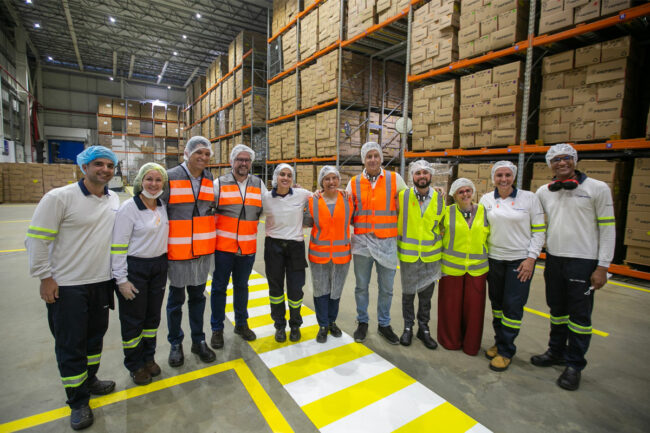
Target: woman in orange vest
330 216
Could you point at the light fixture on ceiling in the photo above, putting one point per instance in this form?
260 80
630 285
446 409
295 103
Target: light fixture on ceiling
37 26
169 87
111 19
184 36
111 78
50 58
198 16
175 53
28 2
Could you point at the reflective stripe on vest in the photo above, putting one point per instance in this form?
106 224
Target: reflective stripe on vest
418 234
330 235
465 248
238 217
374 208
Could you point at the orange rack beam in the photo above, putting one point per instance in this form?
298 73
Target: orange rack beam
370 30
146 119
295 20
289 161
620 270
304 62
234 101
305 111
230 134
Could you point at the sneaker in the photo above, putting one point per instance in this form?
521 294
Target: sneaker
491 352
361 332
294 335
321 337
141 376
425 336
280 335
335 330
204 352
81 418
546 359
176 357
569 379
245 332
100 387
154 369
217 339
407 336
388 334
500 363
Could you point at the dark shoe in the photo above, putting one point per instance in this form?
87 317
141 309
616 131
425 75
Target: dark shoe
570 379
407 336
81 418
335 330
361 332
141 376
294 335
546 359
100 387
500 363
153 368
491 352
217 339
204 352
176 357
321 337
425 336
280 335
388 334
245 332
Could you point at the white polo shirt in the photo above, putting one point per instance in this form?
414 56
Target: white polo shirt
284 214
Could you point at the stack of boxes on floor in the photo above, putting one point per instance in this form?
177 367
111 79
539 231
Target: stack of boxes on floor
435 116
559 14
434 42
490 25
27 182
587 94
637 227
490 106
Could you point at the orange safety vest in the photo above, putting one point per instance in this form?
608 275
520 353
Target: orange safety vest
237 218
191 229
330 235
375 210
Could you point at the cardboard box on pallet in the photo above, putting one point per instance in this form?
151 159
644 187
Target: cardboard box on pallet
119 107
307 136
435 42
361 15
329 18
283 12
104 105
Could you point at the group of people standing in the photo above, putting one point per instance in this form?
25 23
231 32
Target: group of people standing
181 223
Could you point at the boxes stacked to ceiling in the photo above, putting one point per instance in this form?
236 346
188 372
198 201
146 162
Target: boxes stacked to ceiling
587 93
434 41
435 116
490 106
242 44
637 224
361 15
559 14
487 26
283 12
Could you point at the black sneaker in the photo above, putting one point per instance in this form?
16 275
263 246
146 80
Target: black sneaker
100 387
388 334
335 330
424 336
204 352
280 335
546 359
217 339
294 335
81 418
407 336
245 332
321 337
361 332
176 357
569 379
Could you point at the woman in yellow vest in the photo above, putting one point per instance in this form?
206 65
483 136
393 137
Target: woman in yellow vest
461 295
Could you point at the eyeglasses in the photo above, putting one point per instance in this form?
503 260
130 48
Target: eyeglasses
243 161
561 158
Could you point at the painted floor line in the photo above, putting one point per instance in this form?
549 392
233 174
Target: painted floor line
548 316
615 283
13 251
14 221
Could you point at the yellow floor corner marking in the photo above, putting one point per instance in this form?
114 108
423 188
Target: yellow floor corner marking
265 319
349 400
445 417
267 344
13 251
616 283
252 303
269 411
539 313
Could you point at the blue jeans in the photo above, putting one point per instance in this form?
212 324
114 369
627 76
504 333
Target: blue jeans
385 277
240 267
195 306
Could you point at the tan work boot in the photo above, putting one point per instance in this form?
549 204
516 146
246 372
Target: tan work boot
499 363
491 352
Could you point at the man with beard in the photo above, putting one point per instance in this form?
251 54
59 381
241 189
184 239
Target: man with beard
419 247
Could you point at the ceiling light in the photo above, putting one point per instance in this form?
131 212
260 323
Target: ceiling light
175 53
50 58
111 78
159 76
184 36
28 2
198 16
37 26
169 87
111 19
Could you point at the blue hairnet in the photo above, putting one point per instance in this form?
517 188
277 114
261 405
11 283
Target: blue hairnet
92 153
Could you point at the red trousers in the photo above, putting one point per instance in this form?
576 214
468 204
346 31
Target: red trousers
461 307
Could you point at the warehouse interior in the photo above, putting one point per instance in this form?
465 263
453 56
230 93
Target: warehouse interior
460 83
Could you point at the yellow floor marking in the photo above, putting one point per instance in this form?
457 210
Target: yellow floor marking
15 221
252 303
539 313
267 344
269 411
445 417
13 251
313 364
346 401
256 322
255 288
616 283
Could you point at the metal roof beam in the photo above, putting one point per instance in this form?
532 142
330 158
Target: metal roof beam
73 35
18 21
131 65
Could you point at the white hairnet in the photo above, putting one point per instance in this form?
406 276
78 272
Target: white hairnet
561 149
239 149
418 165
92 153
459 183
327 169
371 145
507 164
276 173
195 143
137 183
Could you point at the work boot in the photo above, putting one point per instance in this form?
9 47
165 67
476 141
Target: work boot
425 336
153 368
335 330
280 335
546 359
500 363
491 352
361 332
407 336
294 334
176 357
100 387
217 339
204 352
388 334
141 376
245 332
321 337
81 418
569 379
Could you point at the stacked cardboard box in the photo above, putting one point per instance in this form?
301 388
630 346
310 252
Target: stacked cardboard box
133 127
256 103
283 12
57 175
587 93
104 105
559 14
217 69
383 132
22 182
119 107
307 136
198 87
348 172
490 106
390 8
307 175
637 225
228 90
160 129
289 48
282 141
486 26
361 15
289 101
309 34
172 112
435 116
329 22
275 99
243 80
160 112
146 110
104 124
435 35
244 42
133 109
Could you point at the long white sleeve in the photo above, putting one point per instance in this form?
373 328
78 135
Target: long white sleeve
42 231
120 244
606 226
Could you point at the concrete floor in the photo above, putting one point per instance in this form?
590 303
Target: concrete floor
614 393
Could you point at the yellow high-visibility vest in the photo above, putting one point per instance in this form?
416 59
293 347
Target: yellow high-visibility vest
464 248
418 234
